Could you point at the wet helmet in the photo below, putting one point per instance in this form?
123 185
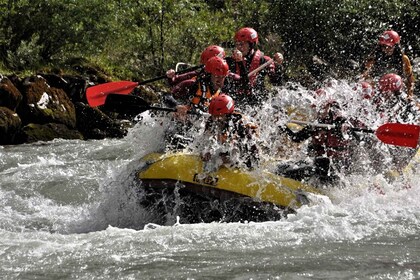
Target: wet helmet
211 51
389 38
246 34
221 105
217 66
390 82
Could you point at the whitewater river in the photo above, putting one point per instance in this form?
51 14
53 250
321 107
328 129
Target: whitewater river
68 212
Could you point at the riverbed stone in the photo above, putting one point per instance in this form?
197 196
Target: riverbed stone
34 132
10 96
94 124
10 124
45 104
74 85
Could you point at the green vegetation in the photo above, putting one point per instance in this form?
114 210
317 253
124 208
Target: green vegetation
138 39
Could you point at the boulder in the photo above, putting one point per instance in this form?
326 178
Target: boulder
10 96
43 104
10 124
94 124
53 105
74 86
46 132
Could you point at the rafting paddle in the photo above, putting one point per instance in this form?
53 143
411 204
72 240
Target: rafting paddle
406 135
130 104
96 95
397 134
256 70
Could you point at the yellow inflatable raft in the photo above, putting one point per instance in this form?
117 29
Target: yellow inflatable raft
182 175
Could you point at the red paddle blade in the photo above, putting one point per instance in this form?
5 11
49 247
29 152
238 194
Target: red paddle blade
406 135
96 95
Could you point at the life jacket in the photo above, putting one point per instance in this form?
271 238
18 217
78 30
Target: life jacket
398 63
408 73
255 63
387 64
239 133
330 143
235 127
203 95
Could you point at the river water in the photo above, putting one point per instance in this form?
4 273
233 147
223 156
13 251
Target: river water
67 212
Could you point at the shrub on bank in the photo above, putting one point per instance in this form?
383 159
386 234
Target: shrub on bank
142 39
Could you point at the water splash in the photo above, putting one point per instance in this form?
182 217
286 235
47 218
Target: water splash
84 186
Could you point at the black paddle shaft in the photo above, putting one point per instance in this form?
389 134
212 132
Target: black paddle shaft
130 104
164 76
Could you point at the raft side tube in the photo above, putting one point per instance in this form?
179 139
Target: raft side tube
188 170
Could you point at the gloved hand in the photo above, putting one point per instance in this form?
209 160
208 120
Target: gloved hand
169 100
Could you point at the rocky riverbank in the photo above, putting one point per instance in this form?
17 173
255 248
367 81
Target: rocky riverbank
43 107
46 106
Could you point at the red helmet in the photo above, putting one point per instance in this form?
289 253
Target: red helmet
217 66
246 34
390 82
211 51
221 105
389 38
